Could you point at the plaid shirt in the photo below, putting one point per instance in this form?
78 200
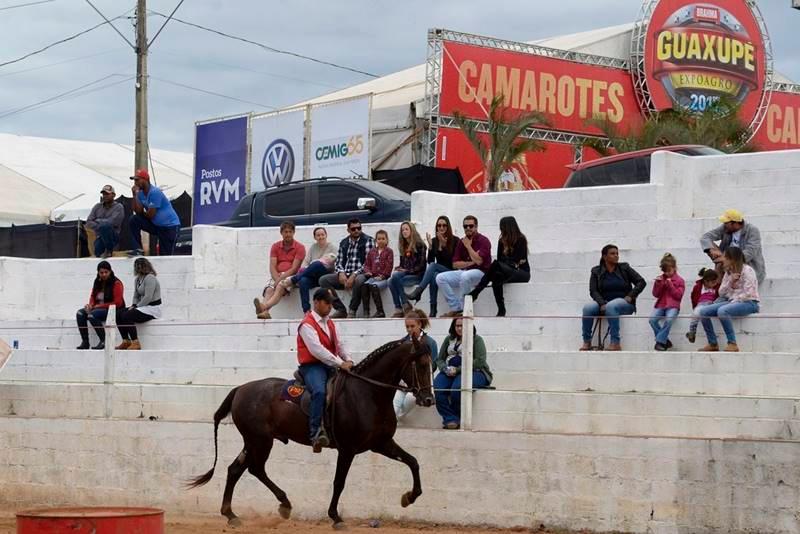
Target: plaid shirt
352 255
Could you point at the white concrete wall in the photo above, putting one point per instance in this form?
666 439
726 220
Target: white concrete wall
600 483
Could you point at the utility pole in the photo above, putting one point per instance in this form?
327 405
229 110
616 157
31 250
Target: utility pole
141 144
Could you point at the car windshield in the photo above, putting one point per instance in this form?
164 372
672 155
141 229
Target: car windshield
386 191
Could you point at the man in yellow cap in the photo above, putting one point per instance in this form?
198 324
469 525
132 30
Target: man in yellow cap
734 232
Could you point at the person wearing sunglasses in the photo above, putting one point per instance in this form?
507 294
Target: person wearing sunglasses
105 220
440 260
471 260
349 269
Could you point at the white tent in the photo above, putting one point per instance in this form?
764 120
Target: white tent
59 179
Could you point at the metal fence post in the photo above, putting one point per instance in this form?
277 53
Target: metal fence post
467 340
109 363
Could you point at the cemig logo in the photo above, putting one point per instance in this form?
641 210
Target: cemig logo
702 53
277 166
340 149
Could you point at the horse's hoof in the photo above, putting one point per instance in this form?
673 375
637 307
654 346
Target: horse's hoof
340 526
285 511
234 522
406 499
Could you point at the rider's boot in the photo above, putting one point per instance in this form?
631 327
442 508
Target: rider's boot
320 440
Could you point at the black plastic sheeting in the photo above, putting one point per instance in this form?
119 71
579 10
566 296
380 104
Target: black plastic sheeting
63 239
422 178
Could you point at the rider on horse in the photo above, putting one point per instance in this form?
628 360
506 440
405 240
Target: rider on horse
319 351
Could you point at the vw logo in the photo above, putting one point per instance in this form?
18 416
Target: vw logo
277 167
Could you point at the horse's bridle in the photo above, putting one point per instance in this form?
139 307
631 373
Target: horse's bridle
414 389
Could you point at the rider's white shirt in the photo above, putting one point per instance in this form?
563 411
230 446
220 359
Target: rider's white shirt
315 347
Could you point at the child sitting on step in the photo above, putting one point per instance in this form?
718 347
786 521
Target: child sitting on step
704 292
668 289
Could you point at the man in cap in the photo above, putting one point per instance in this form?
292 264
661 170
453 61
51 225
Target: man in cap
105 220
734 232
153 213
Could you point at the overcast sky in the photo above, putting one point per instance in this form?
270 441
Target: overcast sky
376 36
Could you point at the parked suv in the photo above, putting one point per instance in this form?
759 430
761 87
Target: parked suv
627 168
317 201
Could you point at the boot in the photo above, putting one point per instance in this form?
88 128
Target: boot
376 296
365 294
124 345
320 440
84 345
135 345
497 289
480 287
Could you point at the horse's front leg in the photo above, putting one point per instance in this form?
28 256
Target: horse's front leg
343 463
392 450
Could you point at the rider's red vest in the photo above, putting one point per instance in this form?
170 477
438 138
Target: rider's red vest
329 342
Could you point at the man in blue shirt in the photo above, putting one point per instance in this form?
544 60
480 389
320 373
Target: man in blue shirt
153 213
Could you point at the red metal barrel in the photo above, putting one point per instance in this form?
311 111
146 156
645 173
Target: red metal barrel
95 520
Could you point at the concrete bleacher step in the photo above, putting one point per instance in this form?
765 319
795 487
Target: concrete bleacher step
719 417
751 374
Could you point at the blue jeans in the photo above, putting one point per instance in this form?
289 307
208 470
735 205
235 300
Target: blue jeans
397 283
614 309
662 330
315 375
96 317
429 279
167 235
106 239
307 279
448 403
380 284
724 309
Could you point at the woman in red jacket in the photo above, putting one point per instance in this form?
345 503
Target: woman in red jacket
107 290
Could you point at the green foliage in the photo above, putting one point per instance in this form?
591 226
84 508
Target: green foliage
502 146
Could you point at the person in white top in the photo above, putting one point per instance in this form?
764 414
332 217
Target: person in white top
319 350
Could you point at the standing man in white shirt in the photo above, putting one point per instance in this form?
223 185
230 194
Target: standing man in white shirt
735 232
319 350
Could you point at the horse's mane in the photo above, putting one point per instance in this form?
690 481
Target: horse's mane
373 356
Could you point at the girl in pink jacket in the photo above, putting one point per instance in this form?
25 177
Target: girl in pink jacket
668 289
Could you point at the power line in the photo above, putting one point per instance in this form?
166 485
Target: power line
10 112
246 69
269 48
110 24
165 23
26 5
70 38
79 58
211 92
78 94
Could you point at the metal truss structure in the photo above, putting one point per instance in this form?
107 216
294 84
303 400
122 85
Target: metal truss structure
638 71
783 87
433 79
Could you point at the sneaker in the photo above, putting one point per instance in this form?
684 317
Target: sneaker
263 315
124 345
452 425
691 336
709 348
660 347
669 344
398 313
106 254
378 315
731 347
457 313
83 346
135 252
100 346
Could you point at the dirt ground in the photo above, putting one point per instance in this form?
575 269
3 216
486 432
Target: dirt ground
179 525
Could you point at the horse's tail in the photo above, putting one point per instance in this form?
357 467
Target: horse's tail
221 413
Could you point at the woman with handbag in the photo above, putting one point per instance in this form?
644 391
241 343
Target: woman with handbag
511 265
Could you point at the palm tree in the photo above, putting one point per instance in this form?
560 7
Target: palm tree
501 146
718 126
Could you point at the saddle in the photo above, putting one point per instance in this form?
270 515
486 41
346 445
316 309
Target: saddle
295 391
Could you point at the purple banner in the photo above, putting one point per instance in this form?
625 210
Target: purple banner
220 164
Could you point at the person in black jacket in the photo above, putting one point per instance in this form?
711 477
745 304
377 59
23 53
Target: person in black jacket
440 260
614 287
511 265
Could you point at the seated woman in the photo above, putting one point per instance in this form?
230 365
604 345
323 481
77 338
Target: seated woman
416 324
738 297
614 287
107 290
440 260
447 384
412 252
318 262
511 265
146 304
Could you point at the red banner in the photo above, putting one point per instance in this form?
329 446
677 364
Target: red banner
568 93
781 127
536 170
696 53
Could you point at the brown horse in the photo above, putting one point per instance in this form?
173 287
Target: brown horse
361 419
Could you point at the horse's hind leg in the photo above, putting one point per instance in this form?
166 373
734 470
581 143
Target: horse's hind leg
235 471
257 456
392 450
